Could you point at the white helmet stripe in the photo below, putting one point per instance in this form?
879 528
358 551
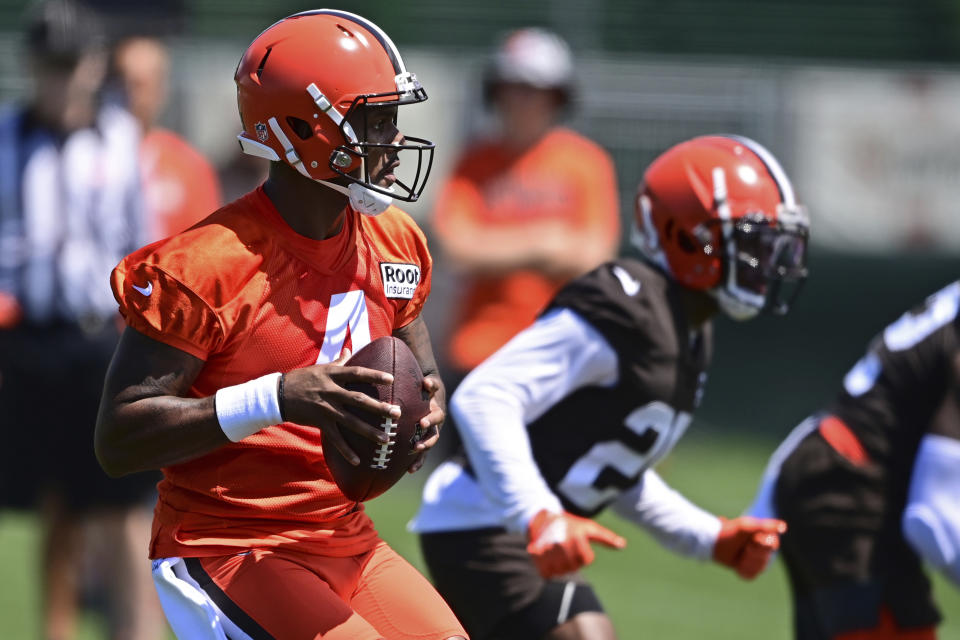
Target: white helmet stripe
324 105
290 154
392 52
779 175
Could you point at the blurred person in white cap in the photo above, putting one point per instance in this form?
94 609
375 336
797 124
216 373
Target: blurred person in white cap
69 210
526 210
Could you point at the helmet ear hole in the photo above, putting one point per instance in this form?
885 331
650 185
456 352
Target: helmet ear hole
668 231
263 62
300 127
686 242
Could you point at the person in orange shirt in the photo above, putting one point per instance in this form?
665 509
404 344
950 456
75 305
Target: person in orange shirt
180 184
232 363
528 210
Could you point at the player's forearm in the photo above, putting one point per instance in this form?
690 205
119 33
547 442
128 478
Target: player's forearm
138 434
545 363
549 248
416 335
491 257
145 420
671 519
501 458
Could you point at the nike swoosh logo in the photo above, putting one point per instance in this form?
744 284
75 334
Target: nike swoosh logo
147 290
630 284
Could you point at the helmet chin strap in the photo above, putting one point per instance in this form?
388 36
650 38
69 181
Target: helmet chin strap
366 201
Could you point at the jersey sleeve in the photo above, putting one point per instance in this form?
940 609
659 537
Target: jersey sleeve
544 363
674 521
158 305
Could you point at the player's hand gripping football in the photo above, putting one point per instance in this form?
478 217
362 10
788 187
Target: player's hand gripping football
431 422
560 542
746 544
316 396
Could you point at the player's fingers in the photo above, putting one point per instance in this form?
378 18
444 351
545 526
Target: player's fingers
770 525
433 419
753 561
431 385
557 561
344 375
540 555
767 525
336 438
583 553
765 540
544 566
343 357
367 403
604 536
361 428
780 526
430 438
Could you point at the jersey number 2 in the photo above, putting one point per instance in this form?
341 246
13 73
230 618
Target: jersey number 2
612 466
347 312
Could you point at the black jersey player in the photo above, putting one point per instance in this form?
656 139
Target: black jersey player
871 485
569 417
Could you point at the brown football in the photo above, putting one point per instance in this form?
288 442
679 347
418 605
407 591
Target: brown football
382 465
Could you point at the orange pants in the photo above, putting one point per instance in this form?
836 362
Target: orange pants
291 596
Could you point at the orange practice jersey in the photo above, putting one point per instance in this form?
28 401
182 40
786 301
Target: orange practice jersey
245 293
564 178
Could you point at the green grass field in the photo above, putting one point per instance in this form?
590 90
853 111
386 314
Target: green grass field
649 592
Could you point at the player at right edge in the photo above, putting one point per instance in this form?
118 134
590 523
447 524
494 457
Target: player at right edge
870 485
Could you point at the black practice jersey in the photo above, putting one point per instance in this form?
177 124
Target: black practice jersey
890 395
597 441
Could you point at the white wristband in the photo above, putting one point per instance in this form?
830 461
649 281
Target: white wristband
244 409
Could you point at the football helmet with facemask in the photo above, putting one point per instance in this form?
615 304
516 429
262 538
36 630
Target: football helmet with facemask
304 89
718 214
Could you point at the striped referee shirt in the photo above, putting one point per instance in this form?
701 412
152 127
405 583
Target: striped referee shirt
70 209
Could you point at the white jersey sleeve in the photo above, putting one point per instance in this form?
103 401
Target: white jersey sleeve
674 521
931 520
557 355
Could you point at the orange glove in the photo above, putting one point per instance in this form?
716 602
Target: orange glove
746 544
560 542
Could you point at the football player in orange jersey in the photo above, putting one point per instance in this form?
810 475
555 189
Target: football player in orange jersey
232 363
